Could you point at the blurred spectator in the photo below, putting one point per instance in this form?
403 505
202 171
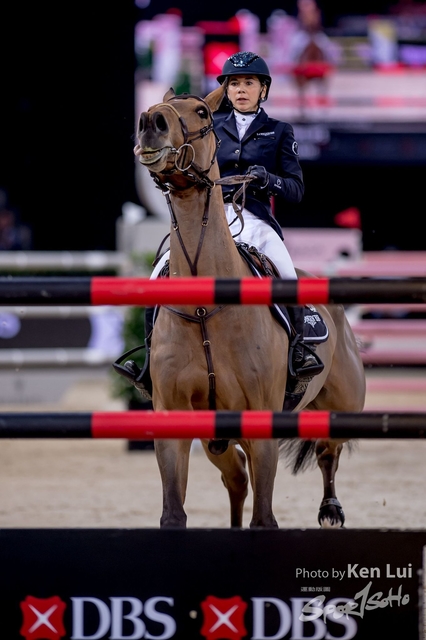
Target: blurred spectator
309 16
14 236
311 50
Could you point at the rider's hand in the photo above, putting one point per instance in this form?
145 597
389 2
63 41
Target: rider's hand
261 178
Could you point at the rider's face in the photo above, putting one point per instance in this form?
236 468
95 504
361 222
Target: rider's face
244 92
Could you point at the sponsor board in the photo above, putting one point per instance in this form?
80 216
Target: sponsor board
87 584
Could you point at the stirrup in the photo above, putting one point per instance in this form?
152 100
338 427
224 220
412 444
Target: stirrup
305 370
123 370
140 378
309 370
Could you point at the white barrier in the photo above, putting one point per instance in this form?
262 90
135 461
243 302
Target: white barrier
63 260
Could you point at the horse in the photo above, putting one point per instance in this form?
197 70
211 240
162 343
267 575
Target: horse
310 51
311 67
226 357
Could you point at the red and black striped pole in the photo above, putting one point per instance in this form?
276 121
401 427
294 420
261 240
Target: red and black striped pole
149 425
103 290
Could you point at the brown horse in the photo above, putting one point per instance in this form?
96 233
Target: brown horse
311 67
310 51
229 357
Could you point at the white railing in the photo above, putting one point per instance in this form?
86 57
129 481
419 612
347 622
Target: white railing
14 262
64 260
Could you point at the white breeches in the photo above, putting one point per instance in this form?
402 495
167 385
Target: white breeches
260 234
256 233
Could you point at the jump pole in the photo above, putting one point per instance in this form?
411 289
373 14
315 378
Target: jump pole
104 290
148 425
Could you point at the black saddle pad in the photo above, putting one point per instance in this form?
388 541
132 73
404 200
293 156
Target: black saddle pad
314 329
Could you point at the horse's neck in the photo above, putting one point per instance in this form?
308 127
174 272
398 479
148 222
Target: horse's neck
218 255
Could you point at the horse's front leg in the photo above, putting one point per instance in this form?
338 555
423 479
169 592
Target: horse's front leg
330 514
173 462
262 456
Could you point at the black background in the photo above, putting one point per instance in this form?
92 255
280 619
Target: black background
67 120
67 127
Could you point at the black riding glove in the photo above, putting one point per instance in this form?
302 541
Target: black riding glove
261 178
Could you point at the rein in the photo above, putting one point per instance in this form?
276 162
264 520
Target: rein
237 208
175 225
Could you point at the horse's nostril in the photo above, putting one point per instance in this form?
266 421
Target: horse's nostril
160 123
142 122
155 122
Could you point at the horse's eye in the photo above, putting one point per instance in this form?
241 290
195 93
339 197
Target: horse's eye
202 112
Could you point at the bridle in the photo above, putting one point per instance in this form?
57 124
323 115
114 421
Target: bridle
191 169
196 176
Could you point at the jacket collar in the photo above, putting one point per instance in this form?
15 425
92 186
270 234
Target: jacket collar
230 126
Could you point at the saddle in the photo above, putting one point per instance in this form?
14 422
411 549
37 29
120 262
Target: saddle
315 330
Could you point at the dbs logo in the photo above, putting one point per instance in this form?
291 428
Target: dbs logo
223 618
42 618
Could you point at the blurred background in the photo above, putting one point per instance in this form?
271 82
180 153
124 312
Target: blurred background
74 79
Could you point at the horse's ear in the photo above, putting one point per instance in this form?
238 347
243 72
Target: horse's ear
215 98
169 95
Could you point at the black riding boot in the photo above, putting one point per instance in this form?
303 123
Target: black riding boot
140 378
303 363
302 360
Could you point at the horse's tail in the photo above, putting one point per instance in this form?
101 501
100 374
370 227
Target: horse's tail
297 454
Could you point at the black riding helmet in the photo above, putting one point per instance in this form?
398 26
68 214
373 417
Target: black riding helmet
246 63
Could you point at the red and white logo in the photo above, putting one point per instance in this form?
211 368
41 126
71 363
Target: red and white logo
43 618
223 618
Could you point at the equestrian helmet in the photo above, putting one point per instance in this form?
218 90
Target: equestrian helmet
246 63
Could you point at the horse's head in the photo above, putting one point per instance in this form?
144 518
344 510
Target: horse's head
173 136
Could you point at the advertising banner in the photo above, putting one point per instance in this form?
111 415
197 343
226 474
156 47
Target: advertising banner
216 584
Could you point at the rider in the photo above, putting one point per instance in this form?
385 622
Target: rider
252 142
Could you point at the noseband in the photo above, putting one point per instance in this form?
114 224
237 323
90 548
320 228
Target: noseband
191 169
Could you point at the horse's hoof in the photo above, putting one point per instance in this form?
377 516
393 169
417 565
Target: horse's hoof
331 514
216 447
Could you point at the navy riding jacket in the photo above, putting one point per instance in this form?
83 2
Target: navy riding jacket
269 143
